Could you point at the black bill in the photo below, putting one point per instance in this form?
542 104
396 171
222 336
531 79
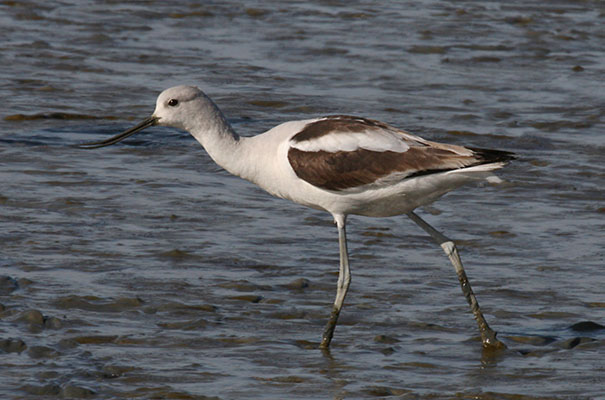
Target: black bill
108 142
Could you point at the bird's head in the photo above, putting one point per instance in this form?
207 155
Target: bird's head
176 107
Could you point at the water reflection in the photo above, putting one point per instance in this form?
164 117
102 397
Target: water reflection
145 271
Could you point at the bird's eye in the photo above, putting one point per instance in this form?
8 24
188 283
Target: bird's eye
173 102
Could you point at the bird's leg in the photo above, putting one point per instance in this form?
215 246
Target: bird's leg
344 280
488 336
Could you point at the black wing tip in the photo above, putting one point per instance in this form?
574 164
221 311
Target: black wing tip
492 156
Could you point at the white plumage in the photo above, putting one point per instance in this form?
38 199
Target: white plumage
341 164
370 139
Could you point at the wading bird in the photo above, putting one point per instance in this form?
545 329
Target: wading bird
340 164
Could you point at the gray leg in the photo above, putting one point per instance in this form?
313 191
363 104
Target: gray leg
488 336
344 280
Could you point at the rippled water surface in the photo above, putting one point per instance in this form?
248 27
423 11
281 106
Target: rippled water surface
145 271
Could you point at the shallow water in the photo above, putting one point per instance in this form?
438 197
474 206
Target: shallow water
145 271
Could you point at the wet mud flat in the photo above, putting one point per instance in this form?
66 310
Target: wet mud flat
226 327
145 271
86 356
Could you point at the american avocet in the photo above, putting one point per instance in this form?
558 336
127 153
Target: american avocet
341 164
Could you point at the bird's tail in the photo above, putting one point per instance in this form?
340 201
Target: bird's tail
487 156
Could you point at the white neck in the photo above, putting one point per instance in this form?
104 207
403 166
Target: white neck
212 130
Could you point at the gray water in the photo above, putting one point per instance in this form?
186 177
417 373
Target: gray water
145 271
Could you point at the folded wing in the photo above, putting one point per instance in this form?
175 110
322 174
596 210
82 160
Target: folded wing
347 153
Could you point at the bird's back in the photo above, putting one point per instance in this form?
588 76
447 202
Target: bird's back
357 165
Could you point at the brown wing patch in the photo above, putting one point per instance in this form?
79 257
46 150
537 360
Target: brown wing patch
348 169
337 123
